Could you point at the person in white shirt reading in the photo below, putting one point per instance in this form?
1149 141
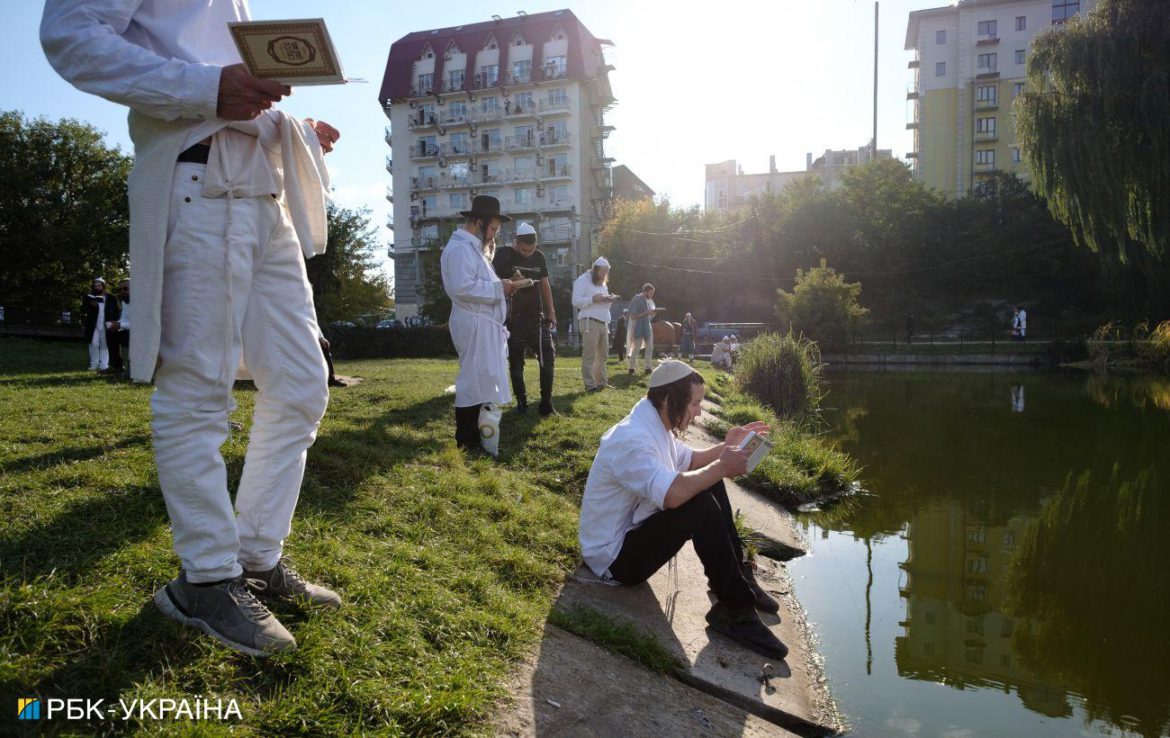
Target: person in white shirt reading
648 494
592 299
642 312
227 199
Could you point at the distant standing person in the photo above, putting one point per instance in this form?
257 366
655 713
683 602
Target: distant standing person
1016 335
119 335
592 299
531 316
690 329
909 327
478 311
1023 316
642 311
619 336
98 309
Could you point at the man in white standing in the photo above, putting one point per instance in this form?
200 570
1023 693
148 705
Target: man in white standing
592 299
642 311
226 195
1023 317
478 310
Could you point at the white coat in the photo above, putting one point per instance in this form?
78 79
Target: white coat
478 310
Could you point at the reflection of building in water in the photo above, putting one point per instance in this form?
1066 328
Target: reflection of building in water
955 631
1017 398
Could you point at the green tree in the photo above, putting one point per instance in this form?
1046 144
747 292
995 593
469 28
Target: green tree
346 282
64 217
822 306
1094 126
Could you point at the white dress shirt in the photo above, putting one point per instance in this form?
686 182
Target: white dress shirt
635 465
583 292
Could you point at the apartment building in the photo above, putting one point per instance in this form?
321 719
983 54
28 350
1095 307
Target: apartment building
629 186
511 107
969 66
729 189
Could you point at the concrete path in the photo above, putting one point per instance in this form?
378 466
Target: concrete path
571 687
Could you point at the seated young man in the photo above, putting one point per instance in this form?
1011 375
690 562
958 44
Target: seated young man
648 494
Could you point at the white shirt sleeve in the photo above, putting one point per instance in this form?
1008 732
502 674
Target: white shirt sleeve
682 455
83 42
582 297
461 280
640 472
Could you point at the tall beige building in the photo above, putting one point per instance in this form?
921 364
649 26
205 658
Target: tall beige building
969 66
513 108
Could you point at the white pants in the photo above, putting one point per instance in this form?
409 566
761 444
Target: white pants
636 344
99 352
225 295
594 352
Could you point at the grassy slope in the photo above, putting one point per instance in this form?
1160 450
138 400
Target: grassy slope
448 568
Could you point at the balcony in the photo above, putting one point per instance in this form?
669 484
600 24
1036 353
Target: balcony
519 110
554 71
556 234
422 244
389 165
520 79
554 172
912 126
550 140
424 184
520 143
558 104
422 151
912 93
390 193
458 84
911 154
520 176
389 137
992 104
986 73
390 222
450 117
421 118
483 81
455 149
987 41
984 168
912 64
986 136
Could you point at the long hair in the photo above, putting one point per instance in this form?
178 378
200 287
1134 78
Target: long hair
489 248
675 396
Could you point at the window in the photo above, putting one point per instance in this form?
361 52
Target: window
562 257
428 146
456 111
1008 538
558 165
455 79
986 62
458 201
983 125
986 93
430 232
930 618
522 71
940 37
524 196
985 28
459 171
490 140
978 533
555 67
985 157
1021 22
426 84
522 102
558 195
524 135
1019 56
975 626
460 143
928 649
978 564
1017 89
940 69
1062 10
429 203
524 166
489 75
559 96
489 106
973 654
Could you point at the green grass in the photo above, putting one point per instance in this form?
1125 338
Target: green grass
617 636
448 568
803 467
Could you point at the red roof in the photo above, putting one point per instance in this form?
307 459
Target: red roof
536 29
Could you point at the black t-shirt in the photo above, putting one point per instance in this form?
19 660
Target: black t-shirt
524 304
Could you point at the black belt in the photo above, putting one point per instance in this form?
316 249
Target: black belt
597 320
197 154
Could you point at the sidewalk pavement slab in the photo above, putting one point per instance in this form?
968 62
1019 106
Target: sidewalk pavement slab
571 687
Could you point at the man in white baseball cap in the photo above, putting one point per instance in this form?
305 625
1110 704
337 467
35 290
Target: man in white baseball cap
592 300
648 494
532 318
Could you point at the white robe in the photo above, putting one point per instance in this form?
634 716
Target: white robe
478 310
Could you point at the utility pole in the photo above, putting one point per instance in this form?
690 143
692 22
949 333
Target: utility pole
875 76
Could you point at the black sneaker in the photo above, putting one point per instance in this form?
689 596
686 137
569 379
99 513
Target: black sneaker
228 612
764 601
282 582
743 625
521 406
547 409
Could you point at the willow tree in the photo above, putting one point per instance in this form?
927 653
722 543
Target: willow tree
1094 126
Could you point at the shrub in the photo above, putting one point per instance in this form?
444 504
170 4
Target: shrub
822 305
391 343
783 372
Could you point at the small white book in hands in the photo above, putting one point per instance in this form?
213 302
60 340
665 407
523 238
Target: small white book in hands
756 447
292 52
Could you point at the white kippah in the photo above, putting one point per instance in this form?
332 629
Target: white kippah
601 262
670 370
525 229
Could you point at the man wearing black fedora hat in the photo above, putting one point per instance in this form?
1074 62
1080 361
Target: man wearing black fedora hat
478 311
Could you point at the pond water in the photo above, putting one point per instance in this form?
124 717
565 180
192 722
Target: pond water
1009 575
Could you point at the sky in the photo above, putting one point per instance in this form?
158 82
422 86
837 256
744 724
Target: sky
696 83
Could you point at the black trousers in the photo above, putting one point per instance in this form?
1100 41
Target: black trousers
706 521
467 427
522 338
115 340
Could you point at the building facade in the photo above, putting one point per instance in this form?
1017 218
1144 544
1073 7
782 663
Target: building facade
513 108
969 66
728 189
629 186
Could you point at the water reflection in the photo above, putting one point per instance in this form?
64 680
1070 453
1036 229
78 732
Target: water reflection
1036 551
